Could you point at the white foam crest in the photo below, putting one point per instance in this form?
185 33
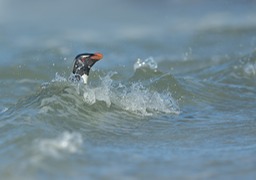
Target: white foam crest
3 110
45 110
47 103
64 143
250 69
148 63
145 102
134 98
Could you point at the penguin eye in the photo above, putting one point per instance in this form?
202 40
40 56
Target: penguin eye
84 58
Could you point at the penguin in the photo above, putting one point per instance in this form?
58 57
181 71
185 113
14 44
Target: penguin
82 65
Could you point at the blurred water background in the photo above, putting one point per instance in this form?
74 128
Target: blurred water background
173 98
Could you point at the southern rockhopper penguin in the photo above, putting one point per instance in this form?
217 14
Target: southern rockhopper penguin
83 63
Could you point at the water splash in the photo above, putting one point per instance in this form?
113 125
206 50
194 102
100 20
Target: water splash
134 98
148 63
59 78
250 69
245 69
126 96
101 93
141 100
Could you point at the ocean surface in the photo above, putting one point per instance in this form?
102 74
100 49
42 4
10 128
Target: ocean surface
173 98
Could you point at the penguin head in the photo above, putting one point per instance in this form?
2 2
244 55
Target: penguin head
84 62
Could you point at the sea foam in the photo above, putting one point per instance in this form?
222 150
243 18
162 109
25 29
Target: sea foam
65 143
133 97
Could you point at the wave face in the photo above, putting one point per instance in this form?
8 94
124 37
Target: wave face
137 95
173 98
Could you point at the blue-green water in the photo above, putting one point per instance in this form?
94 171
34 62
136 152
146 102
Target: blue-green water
173 98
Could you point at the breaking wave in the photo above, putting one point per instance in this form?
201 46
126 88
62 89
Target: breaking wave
134 98
146 93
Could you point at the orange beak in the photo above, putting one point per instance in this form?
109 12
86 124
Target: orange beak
96 56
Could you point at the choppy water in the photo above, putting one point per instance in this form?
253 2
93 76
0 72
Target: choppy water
173 98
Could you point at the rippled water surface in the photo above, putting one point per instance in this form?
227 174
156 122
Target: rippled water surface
173 98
